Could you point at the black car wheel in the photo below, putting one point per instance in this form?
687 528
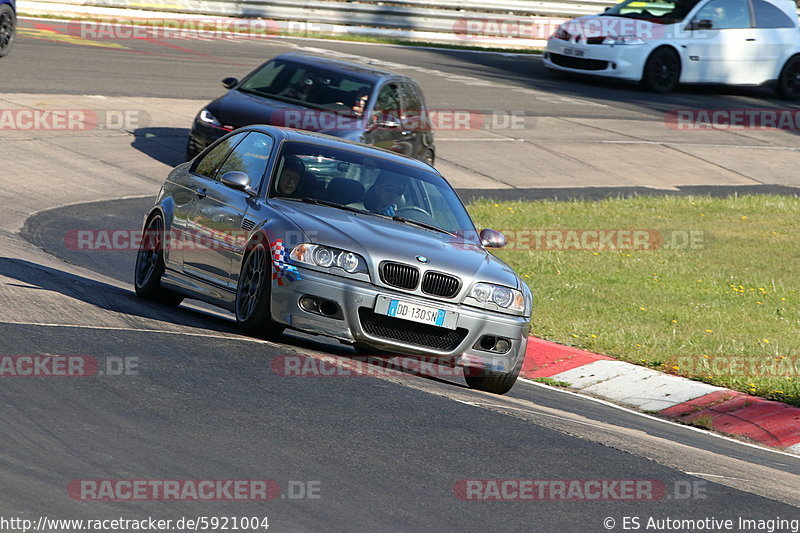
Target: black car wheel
662 70
150 265
492 381
789 80
253 295
8 24
191 149
427 157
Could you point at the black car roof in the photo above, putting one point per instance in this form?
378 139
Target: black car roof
289 134
339 66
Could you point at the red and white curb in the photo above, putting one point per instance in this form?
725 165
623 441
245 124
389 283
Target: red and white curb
735 413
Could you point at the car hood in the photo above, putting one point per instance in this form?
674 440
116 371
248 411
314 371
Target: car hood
238 109
589 26
379 239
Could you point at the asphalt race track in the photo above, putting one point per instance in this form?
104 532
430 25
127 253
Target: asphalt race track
198 401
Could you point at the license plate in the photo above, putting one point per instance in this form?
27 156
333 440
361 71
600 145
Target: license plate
573 52
415 312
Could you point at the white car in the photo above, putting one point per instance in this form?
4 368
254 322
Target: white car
665 42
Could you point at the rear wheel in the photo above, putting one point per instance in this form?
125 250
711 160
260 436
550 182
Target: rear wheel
150 265
662 70
8 25
789 80
427 157
253 295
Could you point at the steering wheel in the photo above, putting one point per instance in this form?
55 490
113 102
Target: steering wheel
413 209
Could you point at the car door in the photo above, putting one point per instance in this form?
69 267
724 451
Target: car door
191 185
385 129
217 216
776 35
727 52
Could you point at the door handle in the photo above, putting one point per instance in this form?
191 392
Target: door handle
201 193
750 39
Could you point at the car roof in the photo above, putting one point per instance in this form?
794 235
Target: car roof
320 139
341 67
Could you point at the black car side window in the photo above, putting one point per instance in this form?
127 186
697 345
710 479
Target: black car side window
388 104
209 164
251 157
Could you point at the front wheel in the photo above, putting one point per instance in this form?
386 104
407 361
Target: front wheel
662 71
253 295
150 265
789 80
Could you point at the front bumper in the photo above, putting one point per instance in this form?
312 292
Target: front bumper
357 322
202 135
625 62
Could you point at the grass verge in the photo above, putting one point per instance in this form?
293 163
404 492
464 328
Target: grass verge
716 300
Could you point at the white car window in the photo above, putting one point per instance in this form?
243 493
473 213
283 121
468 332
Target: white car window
726 14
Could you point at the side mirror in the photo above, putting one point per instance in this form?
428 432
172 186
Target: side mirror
492 238
230 83
606 10
703 24
239 181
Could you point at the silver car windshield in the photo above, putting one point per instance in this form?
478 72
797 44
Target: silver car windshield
349 180
660 12
309 86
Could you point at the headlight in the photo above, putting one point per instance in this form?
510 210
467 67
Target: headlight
624 39
504 297
561 33
206 117
325 257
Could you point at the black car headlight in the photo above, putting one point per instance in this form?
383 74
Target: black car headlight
502 297
206 117
327 257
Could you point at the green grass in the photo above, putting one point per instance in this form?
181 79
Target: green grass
735 295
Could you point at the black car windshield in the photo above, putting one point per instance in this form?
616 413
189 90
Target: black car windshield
309 86
353 181
660 12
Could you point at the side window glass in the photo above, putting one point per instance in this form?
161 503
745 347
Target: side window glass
770 16
251 157
388 103
210 163
726 14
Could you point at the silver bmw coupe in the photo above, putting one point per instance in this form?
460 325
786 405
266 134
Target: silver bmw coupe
291 229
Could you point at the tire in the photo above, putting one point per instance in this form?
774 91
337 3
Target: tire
788 86
662 70
427 157
191 149
253 295
8 26
150 265
491 381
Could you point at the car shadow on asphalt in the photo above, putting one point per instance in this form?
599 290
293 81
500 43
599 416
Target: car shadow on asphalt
165 145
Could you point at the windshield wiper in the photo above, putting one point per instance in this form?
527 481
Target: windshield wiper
422 225
309 200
